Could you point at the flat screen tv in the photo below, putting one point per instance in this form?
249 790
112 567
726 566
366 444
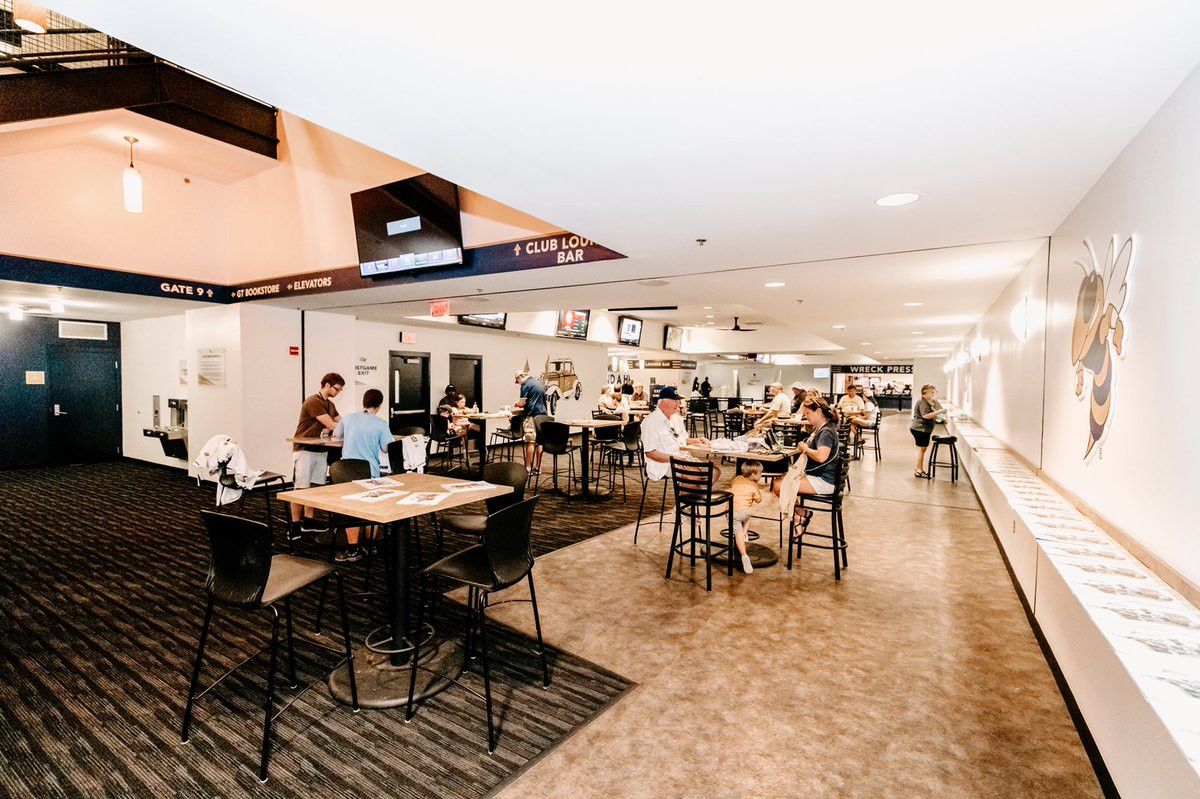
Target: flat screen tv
629 331
673 338
573 324
406 225
496 320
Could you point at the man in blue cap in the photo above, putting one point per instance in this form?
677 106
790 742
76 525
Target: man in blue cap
664 435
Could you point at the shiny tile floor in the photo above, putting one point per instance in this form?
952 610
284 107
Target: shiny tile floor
916 676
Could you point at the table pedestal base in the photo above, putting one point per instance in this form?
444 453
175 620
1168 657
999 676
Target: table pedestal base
760 557
382 685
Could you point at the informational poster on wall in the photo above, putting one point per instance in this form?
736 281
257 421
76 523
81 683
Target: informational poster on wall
210 366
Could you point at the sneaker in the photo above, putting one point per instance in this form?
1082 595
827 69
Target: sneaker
294 533
348 556
747 566
312 526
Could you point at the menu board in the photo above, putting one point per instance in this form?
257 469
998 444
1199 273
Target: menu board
572 324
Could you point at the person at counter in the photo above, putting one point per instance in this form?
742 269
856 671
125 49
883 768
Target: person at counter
925 414
706 388
309 462
664 435
639 398
364 436
532 403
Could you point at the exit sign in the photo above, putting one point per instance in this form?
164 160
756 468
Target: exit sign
440 308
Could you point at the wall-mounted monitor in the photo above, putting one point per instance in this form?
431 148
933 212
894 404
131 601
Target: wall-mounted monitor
820 373
673 338
629 331
572 324
407 225
494 320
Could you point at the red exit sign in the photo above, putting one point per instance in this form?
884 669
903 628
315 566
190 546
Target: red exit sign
293 350
439 308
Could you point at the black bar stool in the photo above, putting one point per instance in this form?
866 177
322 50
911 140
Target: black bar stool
696 499
831 504
948 442
501 561
243 575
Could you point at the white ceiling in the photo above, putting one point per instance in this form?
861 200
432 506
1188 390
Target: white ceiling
867 294
767 129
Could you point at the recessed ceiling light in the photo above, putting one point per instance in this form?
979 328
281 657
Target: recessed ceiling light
864 343
709 316
708 307
879 352
774 285
892 200
710 323
918 332
920 346
913 304
839 327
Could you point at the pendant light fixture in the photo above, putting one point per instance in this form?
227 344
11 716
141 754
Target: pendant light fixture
30 17
131 182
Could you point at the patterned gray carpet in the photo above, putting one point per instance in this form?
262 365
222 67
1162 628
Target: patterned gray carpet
101 599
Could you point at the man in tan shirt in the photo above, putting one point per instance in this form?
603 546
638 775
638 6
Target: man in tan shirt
309 462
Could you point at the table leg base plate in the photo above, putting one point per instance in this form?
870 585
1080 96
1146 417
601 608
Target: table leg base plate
382 685
760 557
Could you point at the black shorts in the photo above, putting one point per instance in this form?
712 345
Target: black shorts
921 436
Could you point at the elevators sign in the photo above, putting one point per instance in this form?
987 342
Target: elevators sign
210 366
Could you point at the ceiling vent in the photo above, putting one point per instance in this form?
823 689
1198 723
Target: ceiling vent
95 331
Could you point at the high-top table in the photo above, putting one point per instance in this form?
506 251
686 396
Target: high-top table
587 425
383 678
482 418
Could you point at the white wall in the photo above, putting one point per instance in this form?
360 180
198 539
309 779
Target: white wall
1145 470
928 371
151 350
1006 349
271 385
214 410
1142 474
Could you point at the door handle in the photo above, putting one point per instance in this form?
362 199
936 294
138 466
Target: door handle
401 413
59 412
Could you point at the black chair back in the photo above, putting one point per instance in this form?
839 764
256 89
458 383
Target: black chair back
606 434
632 435
349 469
692 478
733 424
506 542
505 473
439 428
240 559
788 435
554 437
541 418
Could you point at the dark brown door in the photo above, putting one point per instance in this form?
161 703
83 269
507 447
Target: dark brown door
408 390
466 375
83 390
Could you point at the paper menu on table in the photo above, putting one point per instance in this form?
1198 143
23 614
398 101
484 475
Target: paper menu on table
424 498
458 488
379 482
375 495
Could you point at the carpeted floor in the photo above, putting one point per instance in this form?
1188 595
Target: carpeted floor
101 599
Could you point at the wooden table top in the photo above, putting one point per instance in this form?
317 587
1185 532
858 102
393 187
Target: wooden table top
591 423
330 498
489 415
751 411
707 452
315 441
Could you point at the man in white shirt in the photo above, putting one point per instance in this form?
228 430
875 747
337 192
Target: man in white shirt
780 405
664 435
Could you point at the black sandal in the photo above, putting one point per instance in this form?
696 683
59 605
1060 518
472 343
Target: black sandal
921 475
